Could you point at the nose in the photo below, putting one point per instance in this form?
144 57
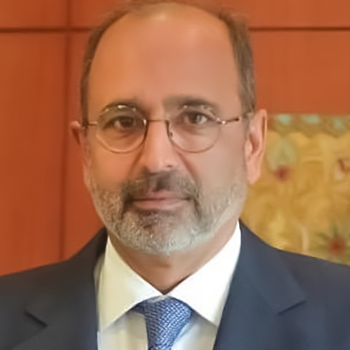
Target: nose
158 153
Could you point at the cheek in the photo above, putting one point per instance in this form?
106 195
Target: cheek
109 169
217 168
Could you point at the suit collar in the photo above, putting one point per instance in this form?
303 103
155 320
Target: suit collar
266 271
262 289
65 303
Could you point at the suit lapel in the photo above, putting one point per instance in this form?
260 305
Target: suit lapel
262 288
65 304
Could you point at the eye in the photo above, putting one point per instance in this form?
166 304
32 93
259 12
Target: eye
196 118
123 123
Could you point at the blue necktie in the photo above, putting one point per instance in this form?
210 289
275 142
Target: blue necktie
165 318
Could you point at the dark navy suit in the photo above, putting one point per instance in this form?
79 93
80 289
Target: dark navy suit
277 301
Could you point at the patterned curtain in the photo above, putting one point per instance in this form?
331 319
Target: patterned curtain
301 203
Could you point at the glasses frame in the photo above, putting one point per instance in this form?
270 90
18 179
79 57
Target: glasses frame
86 124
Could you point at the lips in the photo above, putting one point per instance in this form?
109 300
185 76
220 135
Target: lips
161 200
160 195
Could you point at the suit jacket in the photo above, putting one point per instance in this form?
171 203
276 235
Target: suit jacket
277 301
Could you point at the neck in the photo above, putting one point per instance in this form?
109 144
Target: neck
165 272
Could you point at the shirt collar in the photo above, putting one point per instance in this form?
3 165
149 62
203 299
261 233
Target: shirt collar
119 288
206 290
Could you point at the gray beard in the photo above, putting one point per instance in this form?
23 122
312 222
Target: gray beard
166 232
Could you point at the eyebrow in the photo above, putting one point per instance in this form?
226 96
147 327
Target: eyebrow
192 101
173 102
130 103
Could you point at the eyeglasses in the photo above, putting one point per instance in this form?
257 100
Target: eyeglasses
122 129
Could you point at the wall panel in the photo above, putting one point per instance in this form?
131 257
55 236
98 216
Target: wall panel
294 13
32 13
31 145
81 221
86 13
268 13
303 71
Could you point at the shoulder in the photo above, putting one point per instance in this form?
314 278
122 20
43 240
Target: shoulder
17 291
21 286
319 274
17 288
28 277
315 276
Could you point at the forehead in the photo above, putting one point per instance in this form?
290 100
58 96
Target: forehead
160 51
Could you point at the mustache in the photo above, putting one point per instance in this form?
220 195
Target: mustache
171 181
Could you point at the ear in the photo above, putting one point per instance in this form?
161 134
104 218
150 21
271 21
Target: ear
80 137
75 128
255 144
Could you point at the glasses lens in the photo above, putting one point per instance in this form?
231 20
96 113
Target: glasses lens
194 131
121 130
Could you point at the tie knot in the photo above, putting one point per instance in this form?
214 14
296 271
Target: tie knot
165 318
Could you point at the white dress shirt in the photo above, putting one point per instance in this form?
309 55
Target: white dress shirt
119 289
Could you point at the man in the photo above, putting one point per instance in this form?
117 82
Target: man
170 139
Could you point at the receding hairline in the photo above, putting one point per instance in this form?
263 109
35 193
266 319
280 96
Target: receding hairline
150 9
233 23
172 10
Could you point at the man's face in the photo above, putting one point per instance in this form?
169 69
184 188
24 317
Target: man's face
158 198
